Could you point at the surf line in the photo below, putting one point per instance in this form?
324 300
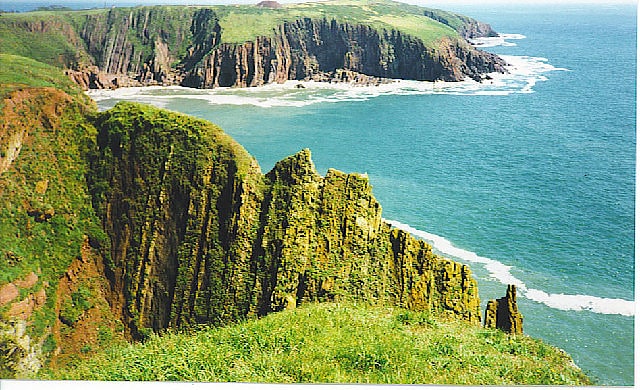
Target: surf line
502 273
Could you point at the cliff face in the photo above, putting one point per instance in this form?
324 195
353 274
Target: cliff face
142 44
184 46
211 240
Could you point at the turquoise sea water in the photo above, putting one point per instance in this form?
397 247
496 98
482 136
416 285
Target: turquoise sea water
528 179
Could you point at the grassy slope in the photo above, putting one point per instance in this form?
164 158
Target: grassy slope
336 343
17 72
50 45
242 23
49 174
54 152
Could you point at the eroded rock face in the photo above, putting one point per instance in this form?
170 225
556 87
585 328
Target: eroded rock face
503 313
306 48
199 235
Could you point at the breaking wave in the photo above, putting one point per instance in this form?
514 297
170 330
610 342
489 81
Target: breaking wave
500 40
502 273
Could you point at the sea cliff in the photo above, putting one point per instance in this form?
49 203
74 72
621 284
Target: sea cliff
244 46
137 220
199 235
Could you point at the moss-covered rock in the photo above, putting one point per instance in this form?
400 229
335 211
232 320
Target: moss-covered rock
199 235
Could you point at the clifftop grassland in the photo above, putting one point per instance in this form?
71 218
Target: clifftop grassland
122 230
243 23
337 343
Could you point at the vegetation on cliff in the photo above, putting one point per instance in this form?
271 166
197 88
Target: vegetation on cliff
139 221
17 72
337 343
199 235
52 293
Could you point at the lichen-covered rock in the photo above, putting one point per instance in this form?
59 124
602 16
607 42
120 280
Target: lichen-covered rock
503 313
199 235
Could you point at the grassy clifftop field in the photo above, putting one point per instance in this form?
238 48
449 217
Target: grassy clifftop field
337 343
243 23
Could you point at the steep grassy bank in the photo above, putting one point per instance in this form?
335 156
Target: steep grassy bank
337 343
52 295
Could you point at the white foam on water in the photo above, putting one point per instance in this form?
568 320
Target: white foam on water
502 273
583 302
500 40
524 73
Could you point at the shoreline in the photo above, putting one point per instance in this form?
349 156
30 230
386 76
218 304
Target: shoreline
524 73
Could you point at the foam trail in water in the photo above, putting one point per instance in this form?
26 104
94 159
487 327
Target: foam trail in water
583 302
502 273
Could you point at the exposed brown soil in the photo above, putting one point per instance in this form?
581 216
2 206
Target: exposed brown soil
83 337
19 116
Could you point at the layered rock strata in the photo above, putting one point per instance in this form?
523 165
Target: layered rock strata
199 235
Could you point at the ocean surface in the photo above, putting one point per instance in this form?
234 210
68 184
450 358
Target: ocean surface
528 178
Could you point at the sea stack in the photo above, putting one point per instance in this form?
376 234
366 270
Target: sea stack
503 313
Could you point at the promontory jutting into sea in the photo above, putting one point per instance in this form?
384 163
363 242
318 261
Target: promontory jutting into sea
493 151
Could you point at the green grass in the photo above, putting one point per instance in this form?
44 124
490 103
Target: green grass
22 34
336 343
18 72
242 23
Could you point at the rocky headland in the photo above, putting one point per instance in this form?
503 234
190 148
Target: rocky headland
199 47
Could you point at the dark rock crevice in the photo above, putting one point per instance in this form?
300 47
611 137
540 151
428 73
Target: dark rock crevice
503 313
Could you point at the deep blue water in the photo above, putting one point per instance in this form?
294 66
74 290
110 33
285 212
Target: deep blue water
530 182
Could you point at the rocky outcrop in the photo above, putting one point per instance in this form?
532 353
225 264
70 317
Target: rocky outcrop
455 54
199 235
503 313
